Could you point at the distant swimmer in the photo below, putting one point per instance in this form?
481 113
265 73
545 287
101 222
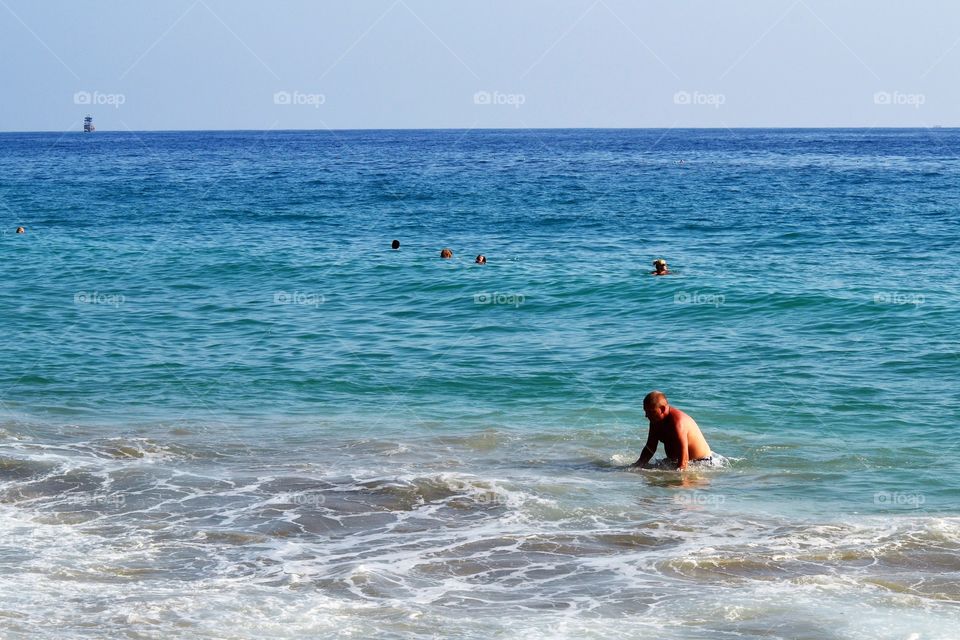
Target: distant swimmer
682 441
481 259
660 267
446 254
395 244
21 230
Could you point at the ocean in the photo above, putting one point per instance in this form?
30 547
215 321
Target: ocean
228 409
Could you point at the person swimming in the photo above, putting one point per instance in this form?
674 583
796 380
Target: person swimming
481 259
681 437
446 254
395 244
660 267
21 230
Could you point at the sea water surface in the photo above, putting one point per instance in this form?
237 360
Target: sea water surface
229 410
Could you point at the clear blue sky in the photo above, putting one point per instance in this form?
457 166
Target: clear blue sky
315 64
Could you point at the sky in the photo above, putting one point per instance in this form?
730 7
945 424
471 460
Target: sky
370 64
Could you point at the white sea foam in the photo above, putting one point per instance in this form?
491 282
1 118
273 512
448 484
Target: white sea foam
541 551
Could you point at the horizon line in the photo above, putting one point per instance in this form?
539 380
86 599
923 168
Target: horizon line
348 129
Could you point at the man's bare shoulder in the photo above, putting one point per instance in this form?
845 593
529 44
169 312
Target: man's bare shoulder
682 418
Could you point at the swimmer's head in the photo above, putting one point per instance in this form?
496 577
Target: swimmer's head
655 406
660 265
395 244
481 259
21 230
446 253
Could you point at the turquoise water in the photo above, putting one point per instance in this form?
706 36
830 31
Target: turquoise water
229 410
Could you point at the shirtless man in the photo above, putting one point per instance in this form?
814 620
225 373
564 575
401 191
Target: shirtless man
678 432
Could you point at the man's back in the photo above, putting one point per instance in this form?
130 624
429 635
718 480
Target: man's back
697 446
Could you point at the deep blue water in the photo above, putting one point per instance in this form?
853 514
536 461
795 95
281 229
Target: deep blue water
229 409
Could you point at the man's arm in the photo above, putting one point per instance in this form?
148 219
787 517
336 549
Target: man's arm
648 450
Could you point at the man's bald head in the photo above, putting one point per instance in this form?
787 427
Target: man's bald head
655 406
655 399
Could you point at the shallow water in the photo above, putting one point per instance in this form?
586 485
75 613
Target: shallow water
231 411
